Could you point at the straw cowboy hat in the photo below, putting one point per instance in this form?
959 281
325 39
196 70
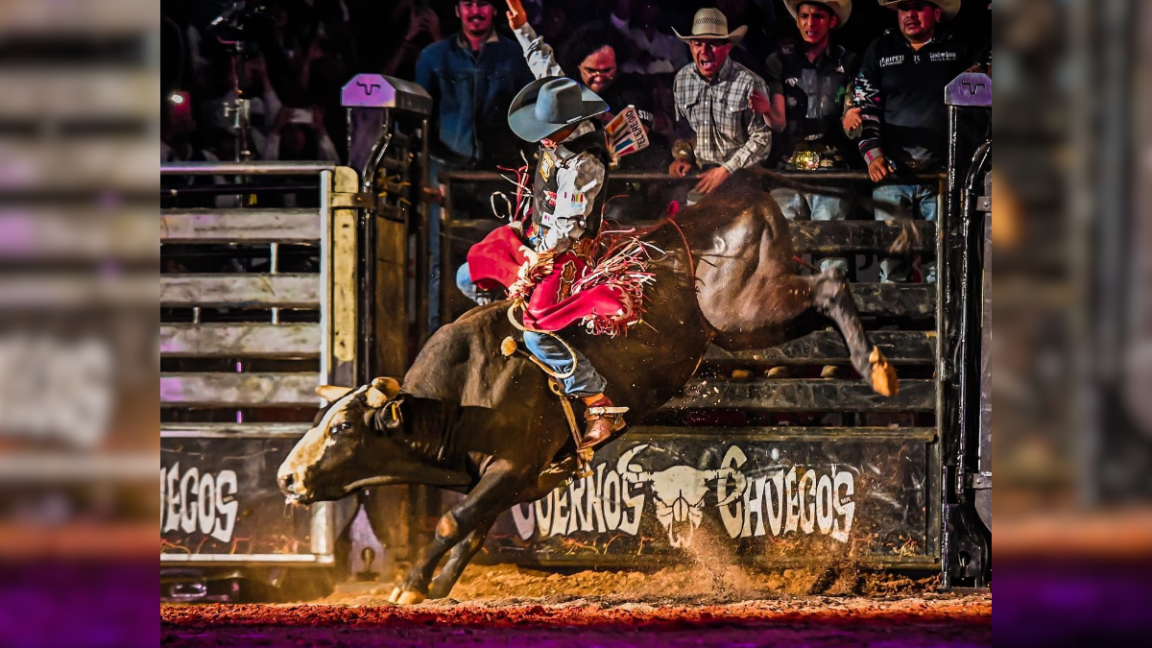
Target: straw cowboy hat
842 8
948 8
552 104
710 24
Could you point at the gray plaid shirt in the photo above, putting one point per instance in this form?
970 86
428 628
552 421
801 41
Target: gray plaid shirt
728 132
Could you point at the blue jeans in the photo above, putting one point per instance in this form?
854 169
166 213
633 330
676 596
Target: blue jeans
817 207
586 381
464 283
910 201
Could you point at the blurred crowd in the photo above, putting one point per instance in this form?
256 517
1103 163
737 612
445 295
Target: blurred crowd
297 54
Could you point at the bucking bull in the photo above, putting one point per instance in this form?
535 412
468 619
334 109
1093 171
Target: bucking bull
468 419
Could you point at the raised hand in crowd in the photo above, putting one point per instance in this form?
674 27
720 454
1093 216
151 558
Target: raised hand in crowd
759 102
878 168
423 21
679 168
516 14
771 109
852 120
711 179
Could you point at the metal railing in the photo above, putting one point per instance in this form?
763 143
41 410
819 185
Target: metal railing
852 235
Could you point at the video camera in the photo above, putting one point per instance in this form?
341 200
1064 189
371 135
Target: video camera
241 21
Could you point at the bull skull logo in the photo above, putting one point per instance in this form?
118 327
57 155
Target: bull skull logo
679 493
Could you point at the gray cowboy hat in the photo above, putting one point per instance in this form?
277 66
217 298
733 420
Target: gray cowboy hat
711 24
948 8
551 104
841 8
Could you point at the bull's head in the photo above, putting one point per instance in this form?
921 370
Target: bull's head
679 493
347 444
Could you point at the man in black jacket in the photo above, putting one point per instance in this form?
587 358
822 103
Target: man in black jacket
900 91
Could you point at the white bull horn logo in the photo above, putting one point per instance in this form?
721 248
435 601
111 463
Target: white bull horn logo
679 493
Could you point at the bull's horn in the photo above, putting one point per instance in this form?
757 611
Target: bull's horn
738 491
332 393
381 391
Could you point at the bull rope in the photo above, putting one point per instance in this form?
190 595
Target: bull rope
543 367
583 457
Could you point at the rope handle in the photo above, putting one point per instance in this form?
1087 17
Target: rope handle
546 369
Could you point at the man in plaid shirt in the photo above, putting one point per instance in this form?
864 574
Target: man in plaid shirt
713 94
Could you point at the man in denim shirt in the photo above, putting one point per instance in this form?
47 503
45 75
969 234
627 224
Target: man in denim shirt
472 77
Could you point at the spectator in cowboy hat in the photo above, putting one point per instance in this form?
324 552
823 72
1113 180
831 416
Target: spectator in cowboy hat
900 93
808 82
712 94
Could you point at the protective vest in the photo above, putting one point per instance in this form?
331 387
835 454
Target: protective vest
814 93
545 183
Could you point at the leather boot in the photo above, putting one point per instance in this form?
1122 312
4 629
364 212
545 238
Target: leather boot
602 418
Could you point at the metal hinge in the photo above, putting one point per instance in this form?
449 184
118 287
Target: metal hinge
980 481
350 200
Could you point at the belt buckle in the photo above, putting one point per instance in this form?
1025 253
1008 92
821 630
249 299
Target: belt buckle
806 160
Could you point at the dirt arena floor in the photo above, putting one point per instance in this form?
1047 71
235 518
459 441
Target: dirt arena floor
511 606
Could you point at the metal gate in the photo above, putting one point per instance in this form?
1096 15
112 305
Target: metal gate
297 275
244 341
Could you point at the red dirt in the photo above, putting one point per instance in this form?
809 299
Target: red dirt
590 613
509 606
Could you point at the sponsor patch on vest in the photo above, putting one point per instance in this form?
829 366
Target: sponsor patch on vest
546 166
575 199
889 61
941 57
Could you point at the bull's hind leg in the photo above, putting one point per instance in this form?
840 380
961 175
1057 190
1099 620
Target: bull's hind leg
831 297
495 493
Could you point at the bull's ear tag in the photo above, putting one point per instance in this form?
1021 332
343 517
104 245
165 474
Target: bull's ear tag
394 417
332 393
381 391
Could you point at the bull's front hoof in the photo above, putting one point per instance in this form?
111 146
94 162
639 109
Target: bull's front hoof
394 597
884 381
408 597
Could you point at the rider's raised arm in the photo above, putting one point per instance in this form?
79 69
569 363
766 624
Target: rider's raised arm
540 56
